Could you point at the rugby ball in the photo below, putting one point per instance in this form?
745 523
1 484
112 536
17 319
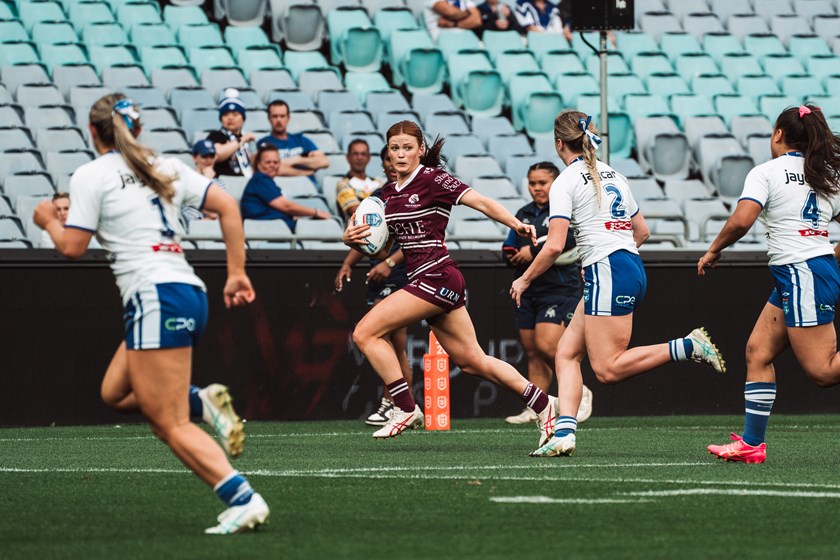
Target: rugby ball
371 211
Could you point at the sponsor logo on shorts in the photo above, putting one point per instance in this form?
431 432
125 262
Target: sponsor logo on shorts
825 308
385 292
625 301
551 312
586 292
451 295
179 324
786 302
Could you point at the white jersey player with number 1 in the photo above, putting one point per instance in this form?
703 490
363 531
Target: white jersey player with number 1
597 203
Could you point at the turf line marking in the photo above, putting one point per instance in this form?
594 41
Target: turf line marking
728 492
535 465
547 500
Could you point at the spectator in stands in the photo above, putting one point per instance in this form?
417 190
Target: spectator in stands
547 306
298 154
447 14
61 201
262 199
496 16
233 153
539 15
204 156
355 185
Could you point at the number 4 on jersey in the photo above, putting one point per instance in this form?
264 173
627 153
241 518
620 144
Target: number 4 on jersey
811 211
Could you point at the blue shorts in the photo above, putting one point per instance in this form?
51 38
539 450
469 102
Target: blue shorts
614 286
549 308
165 316
806 292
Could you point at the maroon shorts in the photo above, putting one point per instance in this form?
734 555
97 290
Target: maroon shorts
444 286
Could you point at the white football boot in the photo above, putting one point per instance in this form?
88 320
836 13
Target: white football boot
563 446
239 519
219 413
546 419
585 408
525 417
399 422
704 351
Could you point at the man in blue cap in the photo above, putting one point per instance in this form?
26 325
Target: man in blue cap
233 154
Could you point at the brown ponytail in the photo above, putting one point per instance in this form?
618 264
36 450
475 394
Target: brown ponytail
113 130
432 156
806 130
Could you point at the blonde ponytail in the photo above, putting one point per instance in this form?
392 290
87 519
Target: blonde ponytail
115 127
576 130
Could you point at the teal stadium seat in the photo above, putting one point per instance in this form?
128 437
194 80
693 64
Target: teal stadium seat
773 104
822 66
631 43
475 84
53 32
743 24
735 65
806 46
105 33
12 30
444 123
658 23
361 49
762 44
192 35
18 52
497 42
388 20
685 105
167 78
725 9
318 79
6 11
719 44
700 24
176 16
300 61
690 65
259 57
621 127
615 64
426 104
676 43
461 144
31 13
339 21
801 86
381 102
362 83
416 62
711 84
66 53
340 100
541 43
83 13
35 95
146 96
730 105
102 56
826 25
554 63
203 58
161 57
640 105
451 41
534 103
756 85
243 37
620 85
152 35
785 26
829 104
303 27
650 62
216 80
139 12
573 84
510 63
780 65
667 84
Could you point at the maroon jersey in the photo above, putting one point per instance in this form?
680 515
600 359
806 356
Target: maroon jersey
417 214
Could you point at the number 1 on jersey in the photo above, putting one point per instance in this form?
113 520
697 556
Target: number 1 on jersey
166 231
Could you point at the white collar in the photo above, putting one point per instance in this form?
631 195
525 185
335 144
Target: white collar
399 187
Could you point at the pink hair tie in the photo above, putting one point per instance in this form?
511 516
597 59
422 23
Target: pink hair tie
803 110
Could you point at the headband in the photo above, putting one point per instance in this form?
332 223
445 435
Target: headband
125 107
583 124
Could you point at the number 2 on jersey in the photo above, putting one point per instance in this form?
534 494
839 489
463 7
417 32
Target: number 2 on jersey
811 211
617 210
166 230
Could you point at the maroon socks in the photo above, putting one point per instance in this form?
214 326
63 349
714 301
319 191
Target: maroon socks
533 397
401 394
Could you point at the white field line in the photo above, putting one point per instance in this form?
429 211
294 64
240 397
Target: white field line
732 492
478 431
376 473
547 500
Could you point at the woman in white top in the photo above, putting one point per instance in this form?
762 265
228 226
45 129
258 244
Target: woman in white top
596 201
794 196
131 199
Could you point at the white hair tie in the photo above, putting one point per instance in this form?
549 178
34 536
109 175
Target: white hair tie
583 124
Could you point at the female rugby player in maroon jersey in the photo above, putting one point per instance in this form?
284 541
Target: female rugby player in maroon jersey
417 208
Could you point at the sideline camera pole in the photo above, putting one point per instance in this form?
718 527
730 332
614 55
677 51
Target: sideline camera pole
605 116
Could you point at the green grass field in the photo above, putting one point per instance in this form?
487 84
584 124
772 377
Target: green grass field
636 488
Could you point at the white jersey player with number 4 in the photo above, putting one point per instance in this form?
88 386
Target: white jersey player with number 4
795 217
139 229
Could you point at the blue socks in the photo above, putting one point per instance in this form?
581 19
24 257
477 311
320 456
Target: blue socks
680 349
758 402
565 425
196 406
234 490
